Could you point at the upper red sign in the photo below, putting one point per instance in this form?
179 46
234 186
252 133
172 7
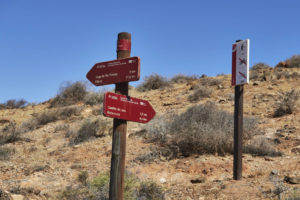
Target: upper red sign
115 71
127 108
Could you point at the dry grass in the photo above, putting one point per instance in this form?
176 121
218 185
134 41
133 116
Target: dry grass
199 93
180 78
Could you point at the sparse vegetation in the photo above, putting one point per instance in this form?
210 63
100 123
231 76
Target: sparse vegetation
70 94
180 78
287 103
199 93
260 66
260 146
201 129
93 98
98 188
209 81
88 129
13 103
153 82
9 134
5 153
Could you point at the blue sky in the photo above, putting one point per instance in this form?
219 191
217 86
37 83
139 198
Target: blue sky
45 43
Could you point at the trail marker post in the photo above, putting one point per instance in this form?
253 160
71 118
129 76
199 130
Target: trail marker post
120 106
240 76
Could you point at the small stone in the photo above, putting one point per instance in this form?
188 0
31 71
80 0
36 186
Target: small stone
274 172
198 180
296 149
17 197
256 83
162 180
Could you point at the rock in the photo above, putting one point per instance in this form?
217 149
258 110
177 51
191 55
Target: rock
5 195
162 180
18 197
274 172
256 83
292 180
296 149
198 180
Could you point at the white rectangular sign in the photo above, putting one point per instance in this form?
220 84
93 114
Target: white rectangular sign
240 62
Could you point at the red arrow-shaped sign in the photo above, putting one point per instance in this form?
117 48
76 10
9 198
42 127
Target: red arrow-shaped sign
115 71
127 108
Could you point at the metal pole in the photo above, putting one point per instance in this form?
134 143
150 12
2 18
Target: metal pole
119 129
238 131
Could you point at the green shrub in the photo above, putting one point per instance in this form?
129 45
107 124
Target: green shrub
153 82
180 78
98 188
199 93
70 94
201 129
287 103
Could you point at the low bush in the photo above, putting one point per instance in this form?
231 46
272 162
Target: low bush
66 112
293 62
287 103
260 66
199 93
180 78
260 146
153 82
88 129
13 103
98 188
93 98
69 94
5 153
9 134
209 81
201 129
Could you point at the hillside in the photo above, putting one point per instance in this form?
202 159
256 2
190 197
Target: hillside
49 149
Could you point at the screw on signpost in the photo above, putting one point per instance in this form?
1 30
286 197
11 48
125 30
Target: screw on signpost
119 129
240 76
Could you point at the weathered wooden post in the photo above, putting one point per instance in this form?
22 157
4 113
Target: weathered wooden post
240 76
119 129
120 106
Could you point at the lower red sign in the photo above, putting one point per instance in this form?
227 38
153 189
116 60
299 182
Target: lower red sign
127 108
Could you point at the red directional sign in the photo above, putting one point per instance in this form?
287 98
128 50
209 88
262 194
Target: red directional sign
115 71
127 108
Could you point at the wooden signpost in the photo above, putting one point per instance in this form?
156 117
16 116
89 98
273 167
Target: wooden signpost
240 76
120 106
